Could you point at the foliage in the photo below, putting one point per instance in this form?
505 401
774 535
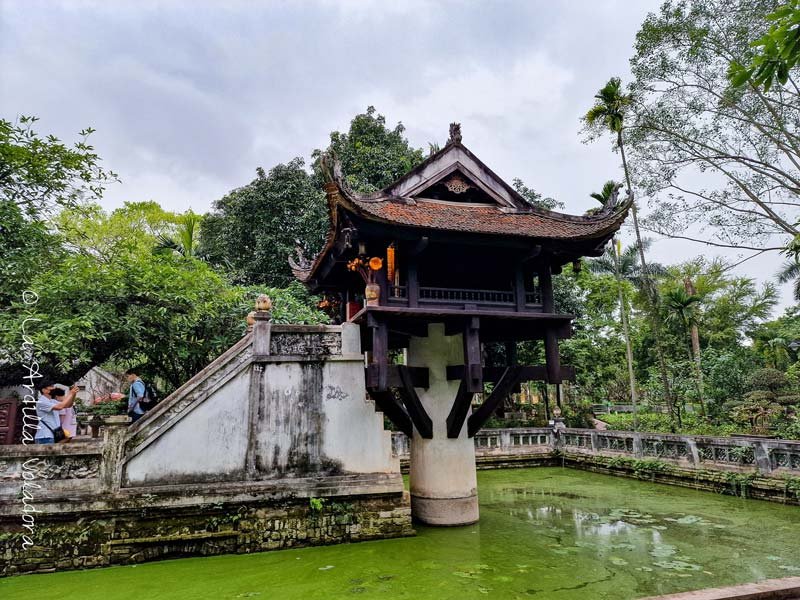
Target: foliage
254 229
720 163
778 51
769 380
111 297
41 174
372 155
692 424
534 198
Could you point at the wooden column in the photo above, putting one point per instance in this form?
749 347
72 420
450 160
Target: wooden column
519 287
552 359
472 356
412 286
378 370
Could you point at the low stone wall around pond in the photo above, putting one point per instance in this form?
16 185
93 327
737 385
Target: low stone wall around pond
754 467
272 445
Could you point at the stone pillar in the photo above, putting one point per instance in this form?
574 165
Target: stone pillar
444 488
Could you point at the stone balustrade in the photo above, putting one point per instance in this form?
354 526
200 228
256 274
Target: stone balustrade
764 456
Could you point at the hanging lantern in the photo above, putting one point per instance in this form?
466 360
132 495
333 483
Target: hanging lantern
390 267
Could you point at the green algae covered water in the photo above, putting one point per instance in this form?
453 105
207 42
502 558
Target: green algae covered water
545 533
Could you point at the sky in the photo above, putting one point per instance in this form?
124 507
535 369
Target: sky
188 98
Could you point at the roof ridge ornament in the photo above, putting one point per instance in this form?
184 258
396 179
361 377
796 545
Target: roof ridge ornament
455 134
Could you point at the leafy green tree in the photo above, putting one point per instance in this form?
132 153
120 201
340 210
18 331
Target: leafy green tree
683 307
624 267
41 175
778 51
608 115
38 176
253 230
534 198
112 298
722 164
790 271
372 155
186 237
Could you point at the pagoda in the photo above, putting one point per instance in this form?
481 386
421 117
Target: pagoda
444 260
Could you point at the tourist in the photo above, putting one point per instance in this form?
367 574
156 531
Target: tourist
69 420
48 411
135 395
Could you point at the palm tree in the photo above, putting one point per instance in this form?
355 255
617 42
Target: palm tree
623 267
609 187
186 237
611 105
776 353
790 271
682 307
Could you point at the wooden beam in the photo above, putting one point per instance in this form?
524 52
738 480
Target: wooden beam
419 246
378 371
551 357
461 404
472 356
519 286
507 382
529 373
412 283
413 405
388 405
419 376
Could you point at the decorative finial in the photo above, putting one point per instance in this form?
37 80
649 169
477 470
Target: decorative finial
455 133
263 303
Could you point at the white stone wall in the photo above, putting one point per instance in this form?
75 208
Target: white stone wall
251 417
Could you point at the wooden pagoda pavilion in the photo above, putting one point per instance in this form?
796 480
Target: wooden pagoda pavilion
457 245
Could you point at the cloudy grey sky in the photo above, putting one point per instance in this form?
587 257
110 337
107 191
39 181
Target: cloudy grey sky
188 98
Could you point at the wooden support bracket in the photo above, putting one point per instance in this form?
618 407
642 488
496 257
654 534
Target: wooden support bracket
501 390
472 356
388 405
455 420
413 405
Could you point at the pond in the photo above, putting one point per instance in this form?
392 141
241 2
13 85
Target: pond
545 533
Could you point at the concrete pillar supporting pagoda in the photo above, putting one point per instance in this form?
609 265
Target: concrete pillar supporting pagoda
444 489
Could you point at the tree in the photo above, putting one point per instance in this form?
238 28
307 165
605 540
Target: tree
39 176
608 114
790 271
186 237
372 156
626 269
778 54
534 198
254 229
682 306
721 164
112 298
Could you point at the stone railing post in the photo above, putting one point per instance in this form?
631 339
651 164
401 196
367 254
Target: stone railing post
638 452
111 458
761 456
595 442
505 439
694 453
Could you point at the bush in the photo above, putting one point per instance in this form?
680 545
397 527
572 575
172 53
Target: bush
770 380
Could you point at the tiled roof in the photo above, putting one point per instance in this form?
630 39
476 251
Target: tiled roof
452 216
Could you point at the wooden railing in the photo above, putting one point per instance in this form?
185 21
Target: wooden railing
455 296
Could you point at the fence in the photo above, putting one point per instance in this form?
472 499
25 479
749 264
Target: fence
764 455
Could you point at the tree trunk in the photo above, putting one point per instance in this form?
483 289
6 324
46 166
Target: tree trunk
623 308
651 293
695 337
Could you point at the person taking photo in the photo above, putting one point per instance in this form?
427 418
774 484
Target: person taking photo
48 407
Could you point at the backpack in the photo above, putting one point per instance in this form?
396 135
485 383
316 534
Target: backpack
150 397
